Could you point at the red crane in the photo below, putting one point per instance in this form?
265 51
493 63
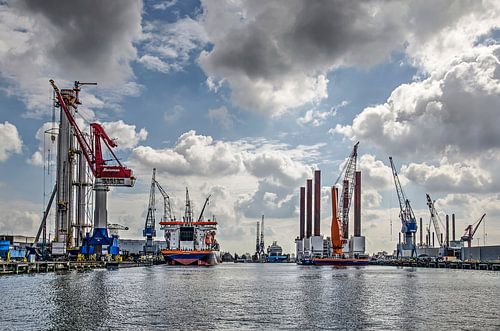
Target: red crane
112 175
470 230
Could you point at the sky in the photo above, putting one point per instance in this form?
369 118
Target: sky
244 99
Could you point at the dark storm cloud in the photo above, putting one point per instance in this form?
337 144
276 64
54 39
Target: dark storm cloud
270 50
89 37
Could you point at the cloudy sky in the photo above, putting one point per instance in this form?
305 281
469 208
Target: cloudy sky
243 99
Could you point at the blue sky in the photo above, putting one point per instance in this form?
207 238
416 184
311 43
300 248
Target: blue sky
243 99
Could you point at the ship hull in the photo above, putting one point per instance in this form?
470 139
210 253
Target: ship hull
336 262
191 258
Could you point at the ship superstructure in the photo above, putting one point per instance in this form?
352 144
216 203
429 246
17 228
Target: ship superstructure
189 241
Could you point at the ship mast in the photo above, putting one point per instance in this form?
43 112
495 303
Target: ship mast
188 213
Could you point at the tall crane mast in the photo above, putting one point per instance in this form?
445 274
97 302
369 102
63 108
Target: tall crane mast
408 220
435 219
261 249
188 213
349 172
257 240
470 231
149 227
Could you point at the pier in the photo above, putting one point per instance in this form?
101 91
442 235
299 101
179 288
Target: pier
16 267
467 265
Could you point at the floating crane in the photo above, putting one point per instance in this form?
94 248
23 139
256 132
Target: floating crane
408 220
105 174
470 230
340 223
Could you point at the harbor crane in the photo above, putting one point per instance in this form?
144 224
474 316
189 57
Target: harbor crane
167 206
105 174
408 220
348 172
340 220
150 225
470 231
259 241
435 221
149 228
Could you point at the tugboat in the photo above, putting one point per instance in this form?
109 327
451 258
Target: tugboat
190 242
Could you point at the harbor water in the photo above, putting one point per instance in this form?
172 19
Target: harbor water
253 296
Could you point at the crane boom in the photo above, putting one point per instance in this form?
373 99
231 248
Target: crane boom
435 219
203 209
470 231
167 206
348 189
111 175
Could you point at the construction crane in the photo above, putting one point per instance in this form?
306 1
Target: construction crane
105 174
408 220
257 241
200 218
340 216
348 172
470 230
435 221
149 227
167 206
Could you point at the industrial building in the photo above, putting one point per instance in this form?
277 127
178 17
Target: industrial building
136 246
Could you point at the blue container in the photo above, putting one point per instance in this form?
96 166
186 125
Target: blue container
4 245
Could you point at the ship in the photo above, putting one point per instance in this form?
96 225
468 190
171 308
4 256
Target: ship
275 253
191 242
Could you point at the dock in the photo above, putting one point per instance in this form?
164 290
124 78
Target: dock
466 265
16 267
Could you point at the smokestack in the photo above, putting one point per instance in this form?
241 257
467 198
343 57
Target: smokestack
302 212
357 204
345 205
317 202
447 230
442 238
421 233
433 239
453 227
309 208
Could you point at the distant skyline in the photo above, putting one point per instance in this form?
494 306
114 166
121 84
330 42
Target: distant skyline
244 99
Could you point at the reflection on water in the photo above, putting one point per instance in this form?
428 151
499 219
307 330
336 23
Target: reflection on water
253 296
